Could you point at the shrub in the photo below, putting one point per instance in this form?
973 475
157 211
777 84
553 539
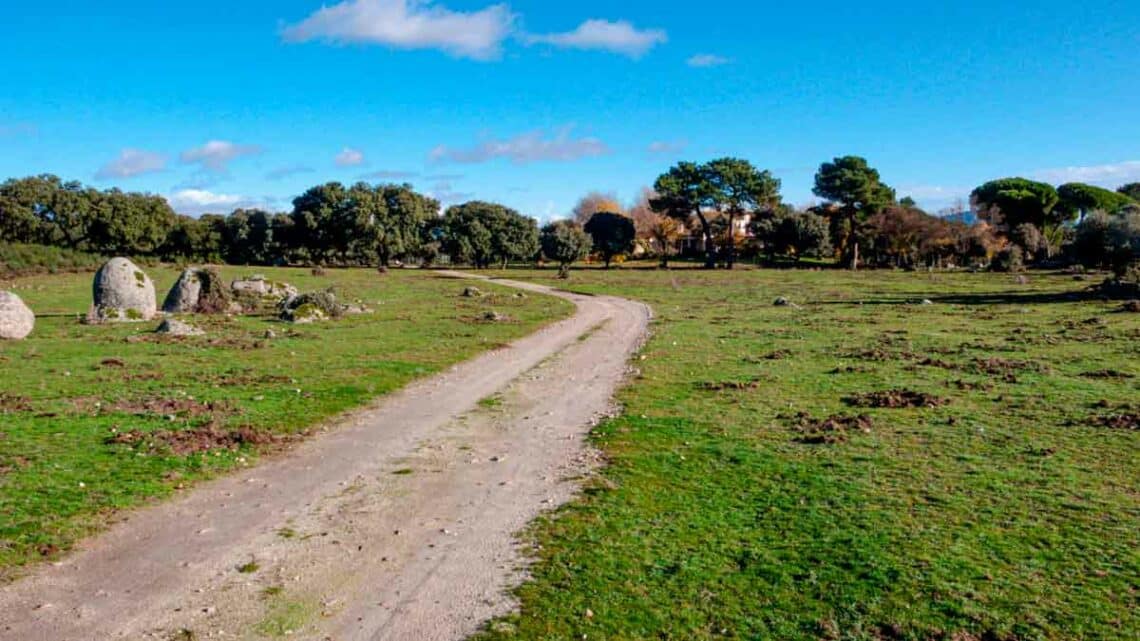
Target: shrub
1010 259
19 259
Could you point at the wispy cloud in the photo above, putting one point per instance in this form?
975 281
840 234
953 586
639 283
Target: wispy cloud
216 155
526 148
281 173
409 24
130 163
1111 175
707 60
349 157
445 193
604 35
667 146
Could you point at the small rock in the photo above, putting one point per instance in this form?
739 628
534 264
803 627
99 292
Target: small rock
781 302
1021 280
472 292
926 301
175 327
270 334
1131 306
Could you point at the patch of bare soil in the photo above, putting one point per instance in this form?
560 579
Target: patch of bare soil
12 404
193 441
178 407
108 363
880 354
1005 368
895 399
1108 373
831 430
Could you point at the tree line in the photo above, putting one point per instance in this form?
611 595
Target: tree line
725 209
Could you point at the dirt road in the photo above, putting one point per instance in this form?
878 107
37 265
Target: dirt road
397 524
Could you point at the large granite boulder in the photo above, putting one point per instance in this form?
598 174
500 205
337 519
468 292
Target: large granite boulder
16 319
198 291
122 292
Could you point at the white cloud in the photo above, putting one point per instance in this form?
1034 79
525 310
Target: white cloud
1110 175
199 201
130 163
350 158
707 60
667 146
525 148
409 24
618 37
215 155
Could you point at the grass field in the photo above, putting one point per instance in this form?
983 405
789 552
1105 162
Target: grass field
752 494
72 396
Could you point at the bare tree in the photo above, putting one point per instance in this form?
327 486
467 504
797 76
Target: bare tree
593 203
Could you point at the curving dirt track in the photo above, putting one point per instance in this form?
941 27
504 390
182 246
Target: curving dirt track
400 523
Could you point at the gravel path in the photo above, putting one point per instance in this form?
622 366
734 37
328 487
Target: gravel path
399 523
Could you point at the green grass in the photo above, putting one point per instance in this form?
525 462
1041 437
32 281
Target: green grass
1004 514
70 387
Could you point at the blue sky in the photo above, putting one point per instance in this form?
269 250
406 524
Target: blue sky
532 103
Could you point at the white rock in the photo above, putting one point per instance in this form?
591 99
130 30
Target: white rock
16 319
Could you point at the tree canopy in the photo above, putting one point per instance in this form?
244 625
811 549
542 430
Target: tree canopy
482 233
1009 202
564 242
612 234
1076 199
736 188
855 186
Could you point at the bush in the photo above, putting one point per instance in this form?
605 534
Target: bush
1010 259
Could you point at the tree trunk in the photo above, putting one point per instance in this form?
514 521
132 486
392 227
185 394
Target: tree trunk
854 241
710 246
730 259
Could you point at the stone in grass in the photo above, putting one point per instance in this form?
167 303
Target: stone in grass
199 291
122 293
1131 306
472 292
173 327
781 302
16 319
260 286
311 307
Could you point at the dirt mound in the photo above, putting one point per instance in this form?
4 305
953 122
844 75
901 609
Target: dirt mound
1123 421
720 386
1107 373
1005 368
11 404
895 399
193 441
830 430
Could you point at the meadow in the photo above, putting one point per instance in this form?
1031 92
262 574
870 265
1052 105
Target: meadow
96 419
857 465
